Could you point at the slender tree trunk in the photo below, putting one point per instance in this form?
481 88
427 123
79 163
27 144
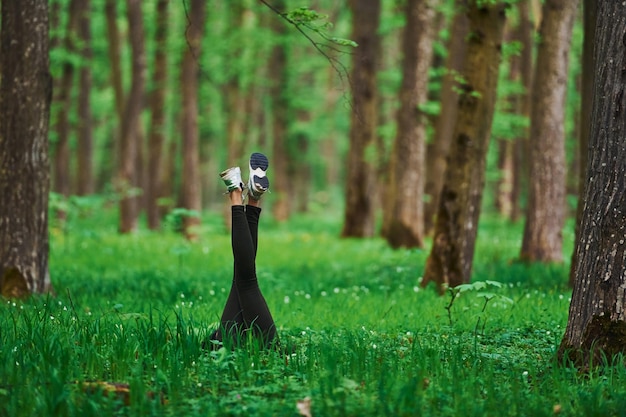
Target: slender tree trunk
84 179
154 189
596 327
25 94
114 45
590 9
62 126
129 146
521 149
545 215
404 218
444 128
450 259
281 184
191 193
359 220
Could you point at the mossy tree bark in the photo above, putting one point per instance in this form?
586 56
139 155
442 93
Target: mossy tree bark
404 208
596 326
545 213
450 259
361 190
25 94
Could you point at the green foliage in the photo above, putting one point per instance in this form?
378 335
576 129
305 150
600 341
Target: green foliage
363 338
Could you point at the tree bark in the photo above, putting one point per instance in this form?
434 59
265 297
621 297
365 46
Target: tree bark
404 214
25 94
360 185
62 183
596 326
588 65
444 127
450 259
191 193
84 179
129 146
545 214
154 189
281 184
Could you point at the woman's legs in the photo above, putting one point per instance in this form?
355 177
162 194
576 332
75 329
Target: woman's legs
256 314
245 307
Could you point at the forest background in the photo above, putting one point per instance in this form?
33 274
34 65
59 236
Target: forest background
261 86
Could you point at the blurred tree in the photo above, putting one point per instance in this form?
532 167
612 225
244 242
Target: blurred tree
545 214
437 152
63 86
128 174
596 327
191 194
451 256
281 182
25 94
84 177
361 193
403 204
588 65
512 151
156 137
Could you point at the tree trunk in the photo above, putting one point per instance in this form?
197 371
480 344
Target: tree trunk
191 193
523 105
84 179
545 214
437 154
404 217
588 65
114 44
154 186
25 94
360 185
129 146
281 184
63 91
596 327
450 259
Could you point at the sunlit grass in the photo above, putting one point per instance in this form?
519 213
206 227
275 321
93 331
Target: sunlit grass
359 336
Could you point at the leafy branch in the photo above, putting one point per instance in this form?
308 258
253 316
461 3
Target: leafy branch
303 19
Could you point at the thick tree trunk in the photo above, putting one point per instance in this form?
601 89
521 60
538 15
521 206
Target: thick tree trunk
588 65
191 193
596 327
154 185
436 160
25 94
361 185
129 146
450 259
404 216
545 214
84 177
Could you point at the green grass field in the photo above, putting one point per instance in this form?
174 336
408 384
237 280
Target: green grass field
366 339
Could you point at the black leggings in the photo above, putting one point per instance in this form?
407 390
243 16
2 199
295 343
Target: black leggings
246 311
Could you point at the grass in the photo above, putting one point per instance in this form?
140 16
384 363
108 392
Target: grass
367 340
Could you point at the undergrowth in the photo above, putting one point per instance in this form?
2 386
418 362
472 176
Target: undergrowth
358 335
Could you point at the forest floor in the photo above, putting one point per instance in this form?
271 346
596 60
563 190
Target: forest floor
123 334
